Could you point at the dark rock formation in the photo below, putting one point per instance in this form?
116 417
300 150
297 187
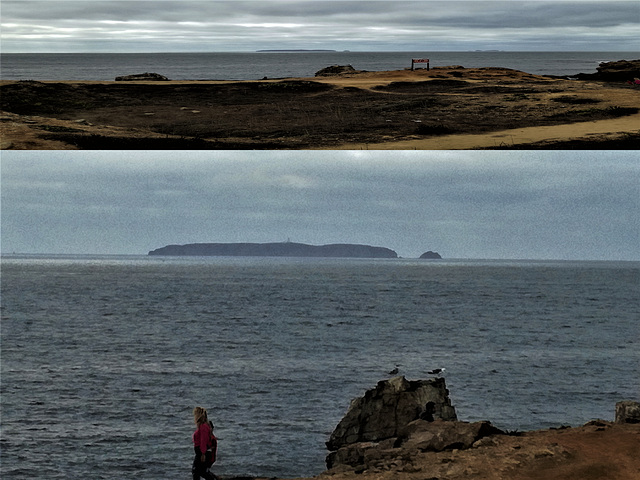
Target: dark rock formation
336 70
417 437
383 413
284 249
440 435
431 255
627 412
142 77
618 71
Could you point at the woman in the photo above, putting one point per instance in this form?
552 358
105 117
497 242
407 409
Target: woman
202 446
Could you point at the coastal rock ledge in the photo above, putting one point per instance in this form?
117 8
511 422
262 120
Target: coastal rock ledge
400 415
618 71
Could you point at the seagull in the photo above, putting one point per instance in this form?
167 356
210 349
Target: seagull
436 371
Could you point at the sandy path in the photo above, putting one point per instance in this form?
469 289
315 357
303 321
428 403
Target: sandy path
516 136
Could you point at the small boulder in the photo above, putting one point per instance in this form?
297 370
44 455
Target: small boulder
627 412
335 70
154 77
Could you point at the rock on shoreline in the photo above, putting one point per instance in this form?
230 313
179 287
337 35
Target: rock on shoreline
155 77
618 71
384 410
391 433
334 70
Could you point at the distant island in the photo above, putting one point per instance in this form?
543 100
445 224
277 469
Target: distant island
282 249
296 50
431 255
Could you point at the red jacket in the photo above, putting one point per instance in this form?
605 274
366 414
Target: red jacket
201 437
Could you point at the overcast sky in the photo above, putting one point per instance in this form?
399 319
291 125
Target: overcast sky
365 25
511 205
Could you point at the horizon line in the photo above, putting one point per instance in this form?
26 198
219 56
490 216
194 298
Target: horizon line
311 50
443 259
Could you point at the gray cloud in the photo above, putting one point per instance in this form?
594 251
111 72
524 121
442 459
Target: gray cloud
463 204
169 25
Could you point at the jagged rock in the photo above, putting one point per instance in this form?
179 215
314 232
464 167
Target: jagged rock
418 436
627 412
431 255
621 70
389 407
142 77
440 435
335 70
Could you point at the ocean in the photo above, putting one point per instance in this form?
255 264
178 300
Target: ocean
254 66
104 357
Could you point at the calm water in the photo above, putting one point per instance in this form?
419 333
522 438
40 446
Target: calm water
103 358
251 66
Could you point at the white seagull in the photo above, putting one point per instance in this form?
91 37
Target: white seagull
436 371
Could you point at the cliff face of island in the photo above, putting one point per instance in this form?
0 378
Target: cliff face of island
285 249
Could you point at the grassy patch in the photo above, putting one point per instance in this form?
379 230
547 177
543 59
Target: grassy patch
598 113
575 100
57 129
99 142
613 111
424 129
516 97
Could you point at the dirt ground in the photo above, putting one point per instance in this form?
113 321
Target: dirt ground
444 108
596 451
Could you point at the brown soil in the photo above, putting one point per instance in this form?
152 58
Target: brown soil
596 451
445 108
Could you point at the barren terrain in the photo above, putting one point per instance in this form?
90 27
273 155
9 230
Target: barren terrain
597 451
444 108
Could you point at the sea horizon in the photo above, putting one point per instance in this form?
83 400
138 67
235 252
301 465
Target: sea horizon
254 65
20 255
320 50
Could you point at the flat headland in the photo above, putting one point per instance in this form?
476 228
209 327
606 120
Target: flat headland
442 108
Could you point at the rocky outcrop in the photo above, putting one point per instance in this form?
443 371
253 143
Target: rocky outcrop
606 450
336 70
419 436
283 249
155 77
439 435
618 71
431 255
380 418
627 412
384 410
